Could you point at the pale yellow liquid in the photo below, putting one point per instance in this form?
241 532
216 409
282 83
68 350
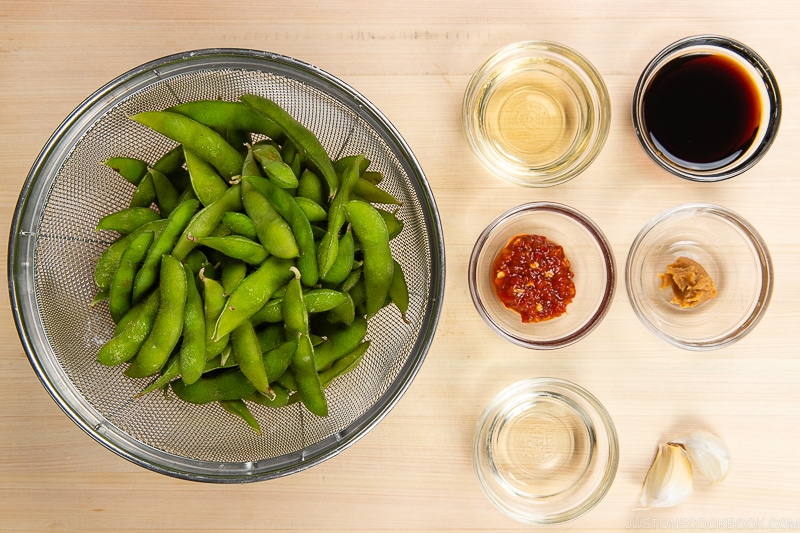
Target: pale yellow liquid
532 116
543 449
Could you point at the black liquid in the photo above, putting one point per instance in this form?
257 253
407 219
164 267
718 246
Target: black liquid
702 111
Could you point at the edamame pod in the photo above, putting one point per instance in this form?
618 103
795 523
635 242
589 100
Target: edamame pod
370 229
145 193
272 230
303 366
162 244
206 142
287 208
119 294
125 345
252 293
168 325
229 115
213 303
301 136
240 224
237 247
167 196
247 353
127 220
207 184
206 221
130 168
192 354
329 245
108 262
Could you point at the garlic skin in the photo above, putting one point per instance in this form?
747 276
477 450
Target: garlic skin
669 480
708 453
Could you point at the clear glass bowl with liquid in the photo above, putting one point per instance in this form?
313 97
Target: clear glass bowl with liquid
536 113
545 451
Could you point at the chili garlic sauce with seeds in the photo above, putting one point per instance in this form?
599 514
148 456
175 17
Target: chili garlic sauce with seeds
532 277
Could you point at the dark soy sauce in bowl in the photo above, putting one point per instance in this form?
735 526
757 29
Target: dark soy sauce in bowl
702 111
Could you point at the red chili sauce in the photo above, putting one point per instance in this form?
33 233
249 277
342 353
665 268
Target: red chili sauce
532 277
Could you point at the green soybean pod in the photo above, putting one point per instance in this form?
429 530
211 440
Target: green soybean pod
329 245
372 176
247 353
167 195
250 166
108 262
240 224
280 398
271 313
398 291
237 247
206 221
313 211
239 408
287 208
340 343
252 293
207 184
310 186
233 272
343 264
344 364
168 325
145 193
270 336
274 167
342 164
198 137
277 360
192 353
272 230
127 220
393 224
343 313
229 115
370 229
226 385
130 168
213 303
170 372
303 366
124 345
162 244
301 136
372 193
171 162
119 294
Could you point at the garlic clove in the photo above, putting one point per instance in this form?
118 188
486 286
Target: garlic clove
669 480
708 453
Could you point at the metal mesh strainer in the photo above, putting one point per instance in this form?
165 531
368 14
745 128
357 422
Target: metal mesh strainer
53 246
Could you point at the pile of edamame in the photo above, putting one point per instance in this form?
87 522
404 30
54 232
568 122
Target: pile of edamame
246 271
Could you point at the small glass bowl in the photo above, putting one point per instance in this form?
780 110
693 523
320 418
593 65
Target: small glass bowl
591 261
545 451
758 71
536 113
728 248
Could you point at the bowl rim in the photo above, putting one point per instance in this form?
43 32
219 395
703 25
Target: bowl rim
547 384
610 270
770 86
759 247
22 245
601 112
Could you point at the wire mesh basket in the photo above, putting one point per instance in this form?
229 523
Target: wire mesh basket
53 246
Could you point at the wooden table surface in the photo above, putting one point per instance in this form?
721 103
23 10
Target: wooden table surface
413 472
